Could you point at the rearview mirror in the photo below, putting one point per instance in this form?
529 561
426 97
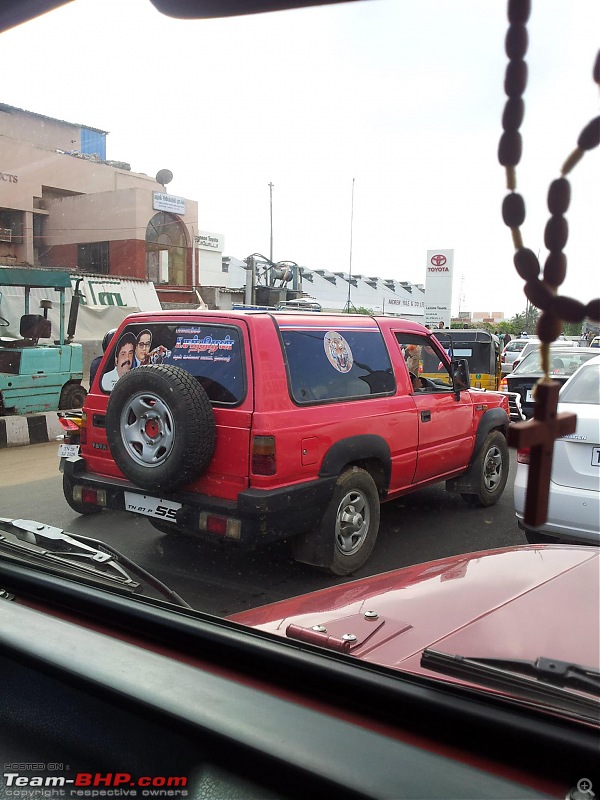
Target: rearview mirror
461 378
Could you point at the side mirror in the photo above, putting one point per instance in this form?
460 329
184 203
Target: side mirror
461 378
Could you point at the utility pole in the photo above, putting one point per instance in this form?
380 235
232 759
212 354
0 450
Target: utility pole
271 217
348 303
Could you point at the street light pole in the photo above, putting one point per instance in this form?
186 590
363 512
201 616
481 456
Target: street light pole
271 217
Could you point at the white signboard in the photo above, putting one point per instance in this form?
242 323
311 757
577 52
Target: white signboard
209 241
438 287
168 202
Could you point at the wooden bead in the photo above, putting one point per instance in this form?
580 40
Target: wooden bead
567 309
559 196
592 310
513 210
527 264
514 111
516 41
516 78
555 269
556 233
538 293
518 11
549 327
509 149
590 135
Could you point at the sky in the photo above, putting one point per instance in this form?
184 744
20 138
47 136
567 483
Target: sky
377 122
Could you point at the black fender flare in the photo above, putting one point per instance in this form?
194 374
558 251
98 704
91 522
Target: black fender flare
492 419
354 449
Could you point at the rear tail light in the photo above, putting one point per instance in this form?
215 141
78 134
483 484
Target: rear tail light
504 385
83 428
515 364
503 358
96 497
221 526
264 461
523 455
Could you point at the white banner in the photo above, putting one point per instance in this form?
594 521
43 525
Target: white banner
106 301
438 287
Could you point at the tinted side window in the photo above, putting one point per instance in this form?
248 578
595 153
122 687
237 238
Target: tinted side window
211 353
327 364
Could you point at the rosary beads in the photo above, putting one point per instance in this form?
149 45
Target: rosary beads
555 308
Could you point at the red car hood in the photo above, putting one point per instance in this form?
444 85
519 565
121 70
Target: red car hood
518 602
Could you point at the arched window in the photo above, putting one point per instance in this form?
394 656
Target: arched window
166 250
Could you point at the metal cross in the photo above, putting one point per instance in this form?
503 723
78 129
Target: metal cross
539 434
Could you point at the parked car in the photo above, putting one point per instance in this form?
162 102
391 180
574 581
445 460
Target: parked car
564 361
511 352
260 426
574 507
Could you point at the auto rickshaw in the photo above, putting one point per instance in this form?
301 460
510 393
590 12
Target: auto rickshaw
481 349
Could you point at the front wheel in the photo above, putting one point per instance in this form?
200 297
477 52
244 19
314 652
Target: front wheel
352 519
492 470
80 508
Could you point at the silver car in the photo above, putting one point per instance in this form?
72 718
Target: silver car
574 500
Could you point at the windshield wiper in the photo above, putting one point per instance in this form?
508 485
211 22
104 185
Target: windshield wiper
545 678
71 552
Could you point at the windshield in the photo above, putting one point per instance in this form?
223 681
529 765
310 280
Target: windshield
273 215
562 362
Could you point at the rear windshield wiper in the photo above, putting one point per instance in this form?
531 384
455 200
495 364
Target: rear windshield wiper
545 678
70 552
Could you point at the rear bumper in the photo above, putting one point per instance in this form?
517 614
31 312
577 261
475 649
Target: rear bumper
265 515
573 514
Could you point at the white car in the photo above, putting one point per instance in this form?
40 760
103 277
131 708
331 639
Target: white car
574 507
512 352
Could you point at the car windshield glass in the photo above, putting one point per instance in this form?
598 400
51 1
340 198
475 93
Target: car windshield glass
583 387
275 239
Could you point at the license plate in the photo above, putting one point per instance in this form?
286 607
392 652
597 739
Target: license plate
151 506
595 456
529 398
68 450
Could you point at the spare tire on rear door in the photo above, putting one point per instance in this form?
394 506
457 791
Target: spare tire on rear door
160 427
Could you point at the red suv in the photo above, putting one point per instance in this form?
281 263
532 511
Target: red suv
255 426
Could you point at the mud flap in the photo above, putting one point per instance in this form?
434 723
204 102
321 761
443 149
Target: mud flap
313 548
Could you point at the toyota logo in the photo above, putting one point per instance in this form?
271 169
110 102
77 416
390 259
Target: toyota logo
438 261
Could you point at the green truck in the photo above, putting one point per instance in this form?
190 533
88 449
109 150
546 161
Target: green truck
37 371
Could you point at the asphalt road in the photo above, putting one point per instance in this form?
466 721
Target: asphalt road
221 580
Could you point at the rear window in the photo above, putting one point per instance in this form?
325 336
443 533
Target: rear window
333 364
562 362
583 387
514 347
211 353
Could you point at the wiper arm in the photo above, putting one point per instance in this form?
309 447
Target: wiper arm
81 553
545 678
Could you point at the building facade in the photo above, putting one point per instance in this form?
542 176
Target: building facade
63 204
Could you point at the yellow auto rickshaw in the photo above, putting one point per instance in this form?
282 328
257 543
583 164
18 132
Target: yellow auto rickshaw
481 349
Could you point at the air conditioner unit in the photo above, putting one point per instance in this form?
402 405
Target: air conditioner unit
5 234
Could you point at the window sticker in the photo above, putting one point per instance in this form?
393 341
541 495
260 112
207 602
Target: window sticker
338 351
191 345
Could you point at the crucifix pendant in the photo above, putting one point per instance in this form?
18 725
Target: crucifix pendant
539 434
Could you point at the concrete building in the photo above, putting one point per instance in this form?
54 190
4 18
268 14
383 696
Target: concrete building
63 204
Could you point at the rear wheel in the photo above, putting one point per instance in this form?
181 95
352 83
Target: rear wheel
492 470
80 508
350 525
